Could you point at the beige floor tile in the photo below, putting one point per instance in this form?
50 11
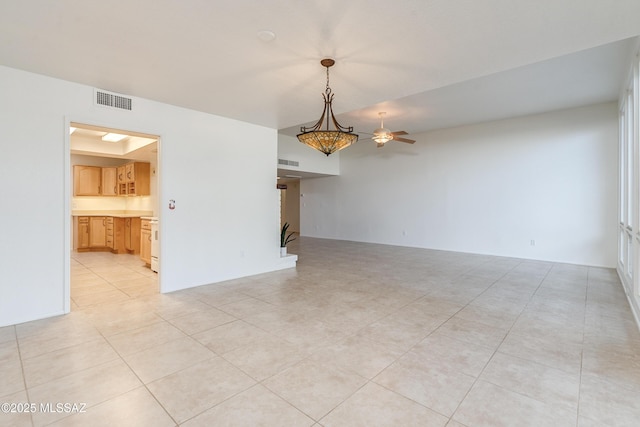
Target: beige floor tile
51 340
7 333
394 333
487 316
461 356
473 332
11 380
217 296
83 291
200 321
230 336
112 322
605 403
255 407
134 408
488 405
373 405
432 383
90 386
170 306
616 363
193 390
265 357
549 351
314 388
145 337
536 326
358 354
109 296
246 307
164 359
16 416
60 363
315 335
534 380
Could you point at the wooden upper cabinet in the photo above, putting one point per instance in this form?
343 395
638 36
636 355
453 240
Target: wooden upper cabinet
109 181
131 179
87 180
137 178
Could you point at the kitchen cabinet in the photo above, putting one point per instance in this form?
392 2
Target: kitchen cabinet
86 180
82 233
145 241
118 234
110 241
131 179
132 235
134 179
97 231
109 182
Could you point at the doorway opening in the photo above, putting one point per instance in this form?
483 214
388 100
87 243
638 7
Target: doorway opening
114 215
290 204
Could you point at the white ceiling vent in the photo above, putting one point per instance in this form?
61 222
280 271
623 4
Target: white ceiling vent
288 162
107 99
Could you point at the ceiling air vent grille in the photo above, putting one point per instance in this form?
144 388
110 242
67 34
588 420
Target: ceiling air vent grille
288 162
112 100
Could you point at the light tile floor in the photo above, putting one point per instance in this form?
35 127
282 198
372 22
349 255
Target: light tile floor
356 335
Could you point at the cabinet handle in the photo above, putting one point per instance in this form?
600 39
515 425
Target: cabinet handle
129 174
115 189
149 237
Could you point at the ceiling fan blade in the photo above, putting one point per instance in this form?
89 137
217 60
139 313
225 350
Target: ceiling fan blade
408 141
400 132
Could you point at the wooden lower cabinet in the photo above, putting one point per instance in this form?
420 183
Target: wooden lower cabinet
81 240
110 232
97 231
132 235
106 233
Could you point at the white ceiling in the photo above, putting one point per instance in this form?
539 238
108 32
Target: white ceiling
87 140
427 63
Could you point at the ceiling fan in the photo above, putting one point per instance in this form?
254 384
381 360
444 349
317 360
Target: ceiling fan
382 135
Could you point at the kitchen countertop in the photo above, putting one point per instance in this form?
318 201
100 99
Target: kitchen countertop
116 214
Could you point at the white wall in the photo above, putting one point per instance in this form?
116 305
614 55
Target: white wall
489 188
217 231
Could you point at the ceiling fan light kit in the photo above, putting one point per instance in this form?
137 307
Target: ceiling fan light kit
382 135
327 140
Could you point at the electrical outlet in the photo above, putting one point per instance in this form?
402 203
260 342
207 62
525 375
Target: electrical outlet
533 242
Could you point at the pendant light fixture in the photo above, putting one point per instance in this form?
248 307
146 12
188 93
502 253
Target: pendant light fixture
327 140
